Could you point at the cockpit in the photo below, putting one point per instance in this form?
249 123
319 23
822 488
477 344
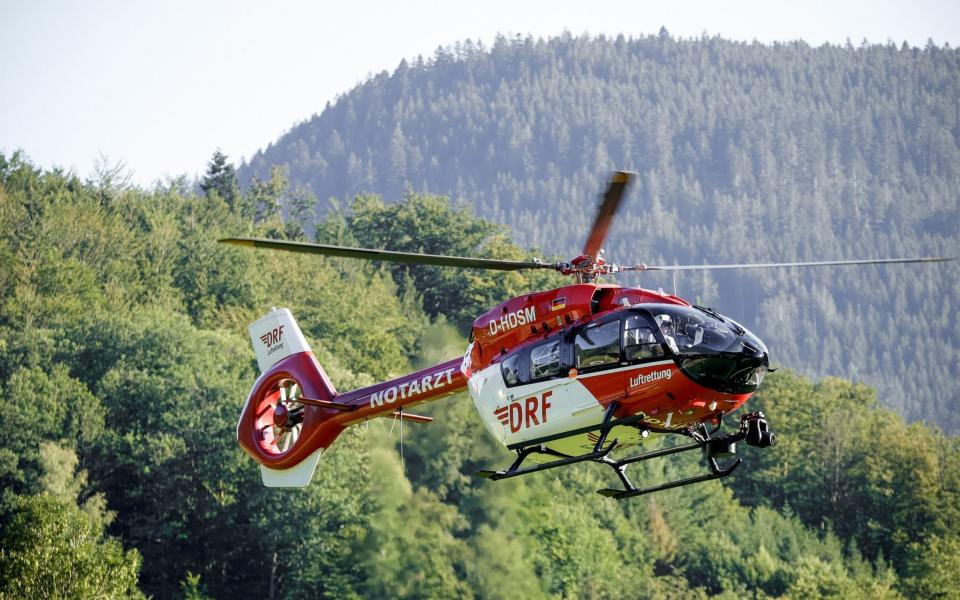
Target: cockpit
695 330
711 349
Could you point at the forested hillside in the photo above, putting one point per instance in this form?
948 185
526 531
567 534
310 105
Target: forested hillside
745 153
124 363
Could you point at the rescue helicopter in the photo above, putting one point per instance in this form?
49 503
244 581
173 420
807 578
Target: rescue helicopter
581 373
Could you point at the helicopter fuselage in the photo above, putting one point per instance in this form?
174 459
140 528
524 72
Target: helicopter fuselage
549 364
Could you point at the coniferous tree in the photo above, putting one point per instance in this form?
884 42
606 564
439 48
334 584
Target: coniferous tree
221 179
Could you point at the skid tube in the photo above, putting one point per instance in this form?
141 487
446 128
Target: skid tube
753 428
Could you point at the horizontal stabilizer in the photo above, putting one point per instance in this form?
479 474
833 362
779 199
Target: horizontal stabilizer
412 418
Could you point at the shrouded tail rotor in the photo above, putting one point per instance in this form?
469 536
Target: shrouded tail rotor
280 417
278 427
293 413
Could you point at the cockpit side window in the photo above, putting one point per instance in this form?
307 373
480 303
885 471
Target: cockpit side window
545 360
639 341
510 368
598 346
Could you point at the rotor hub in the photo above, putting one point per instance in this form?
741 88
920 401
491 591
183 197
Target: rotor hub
281 414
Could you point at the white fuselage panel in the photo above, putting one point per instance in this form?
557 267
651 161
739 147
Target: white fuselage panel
526 412
536 410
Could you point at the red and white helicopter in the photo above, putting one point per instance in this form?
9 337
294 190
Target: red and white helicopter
559 377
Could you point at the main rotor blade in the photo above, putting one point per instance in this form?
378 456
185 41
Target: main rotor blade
825 263
412 258
608 208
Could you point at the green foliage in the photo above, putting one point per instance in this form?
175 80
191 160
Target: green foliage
866 474
934 568
418 552
123 354
265 196
63 481
432 225
51 549
51 406
192 588
220 182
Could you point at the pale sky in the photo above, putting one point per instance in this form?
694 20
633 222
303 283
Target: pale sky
161 85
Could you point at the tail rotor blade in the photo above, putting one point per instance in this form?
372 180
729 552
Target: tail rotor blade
608 208
296 434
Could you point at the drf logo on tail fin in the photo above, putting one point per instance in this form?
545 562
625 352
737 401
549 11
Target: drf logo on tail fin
272 339
522 415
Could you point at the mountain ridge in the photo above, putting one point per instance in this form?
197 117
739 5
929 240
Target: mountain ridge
744 153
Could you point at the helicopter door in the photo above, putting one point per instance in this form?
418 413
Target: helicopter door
596 350
526 395
646 352
640 344
594 357
544 393
609 357
597 347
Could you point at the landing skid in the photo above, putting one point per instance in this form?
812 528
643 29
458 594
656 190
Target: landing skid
753 428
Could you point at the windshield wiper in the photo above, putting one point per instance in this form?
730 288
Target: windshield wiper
713 313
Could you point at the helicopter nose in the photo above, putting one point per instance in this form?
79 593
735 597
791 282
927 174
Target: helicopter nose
731 373
751 368
755 353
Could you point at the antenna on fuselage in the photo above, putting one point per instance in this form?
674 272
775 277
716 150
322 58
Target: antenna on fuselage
398 416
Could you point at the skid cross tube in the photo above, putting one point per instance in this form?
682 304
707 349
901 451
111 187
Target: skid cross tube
537 447
703 440
629 490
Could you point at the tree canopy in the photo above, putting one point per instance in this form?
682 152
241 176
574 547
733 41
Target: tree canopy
124 359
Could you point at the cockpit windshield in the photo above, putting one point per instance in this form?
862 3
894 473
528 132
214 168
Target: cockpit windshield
691 331
713 350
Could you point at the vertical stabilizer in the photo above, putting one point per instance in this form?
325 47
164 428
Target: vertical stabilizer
275 337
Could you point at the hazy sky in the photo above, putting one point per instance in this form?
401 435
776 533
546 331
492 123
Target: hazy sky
161 85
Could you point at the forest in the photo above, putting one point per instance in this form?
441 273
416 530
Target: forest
744 152
124 363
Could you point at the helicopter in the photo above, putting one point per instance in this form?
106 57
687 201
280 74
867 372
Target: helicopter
581 373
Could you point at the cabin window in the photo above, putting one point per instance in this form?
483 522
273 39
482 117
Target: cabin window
545 360
511 370
598 346
639 341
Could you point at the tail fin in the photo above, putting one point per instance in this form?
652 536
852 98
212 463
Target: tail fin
277 426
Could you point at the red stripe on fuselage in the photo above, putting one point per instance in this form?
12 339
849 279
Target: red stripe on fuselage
659 390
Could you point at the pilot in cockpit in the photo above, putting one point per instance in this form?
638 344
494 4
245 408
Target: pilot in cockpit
667 328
